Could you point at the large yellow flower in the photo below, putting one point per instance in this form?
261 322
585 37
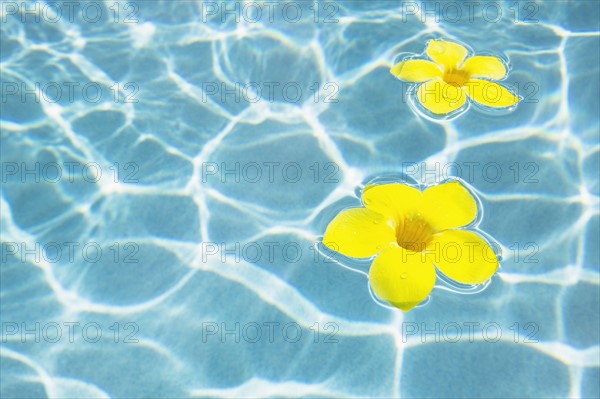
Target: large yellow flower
411 230
449 79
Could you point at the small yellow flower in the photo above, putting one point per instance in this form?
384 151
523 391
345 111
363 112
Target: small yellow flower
411 230
449 79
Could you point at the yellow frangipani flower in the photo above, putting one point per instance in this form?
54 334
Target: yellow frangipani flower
448 79
412 232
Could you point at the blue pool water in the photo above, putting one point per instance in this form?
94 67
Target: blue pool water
164 190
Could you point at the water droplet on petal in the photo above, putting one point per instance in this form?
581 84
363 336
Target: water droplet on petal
404 276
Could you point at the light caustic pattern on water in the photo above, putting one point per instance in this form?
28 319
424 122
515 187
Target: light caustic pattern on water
180 134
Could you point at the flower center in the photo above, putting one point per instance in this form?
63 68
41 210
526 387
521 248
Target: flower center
456 77
413 233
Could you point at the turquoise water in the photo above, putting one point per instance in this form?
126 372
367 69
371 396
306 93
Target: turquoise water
159 235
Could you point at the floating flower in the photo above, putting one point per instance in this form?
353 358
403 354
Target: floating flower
451 77
411 232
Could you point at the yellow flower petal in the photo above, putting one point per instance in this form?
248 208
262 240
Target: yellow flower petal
463 256
481 66
358 233
402 278
439 97
449 205
490 94
447 54
393 200
416 70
